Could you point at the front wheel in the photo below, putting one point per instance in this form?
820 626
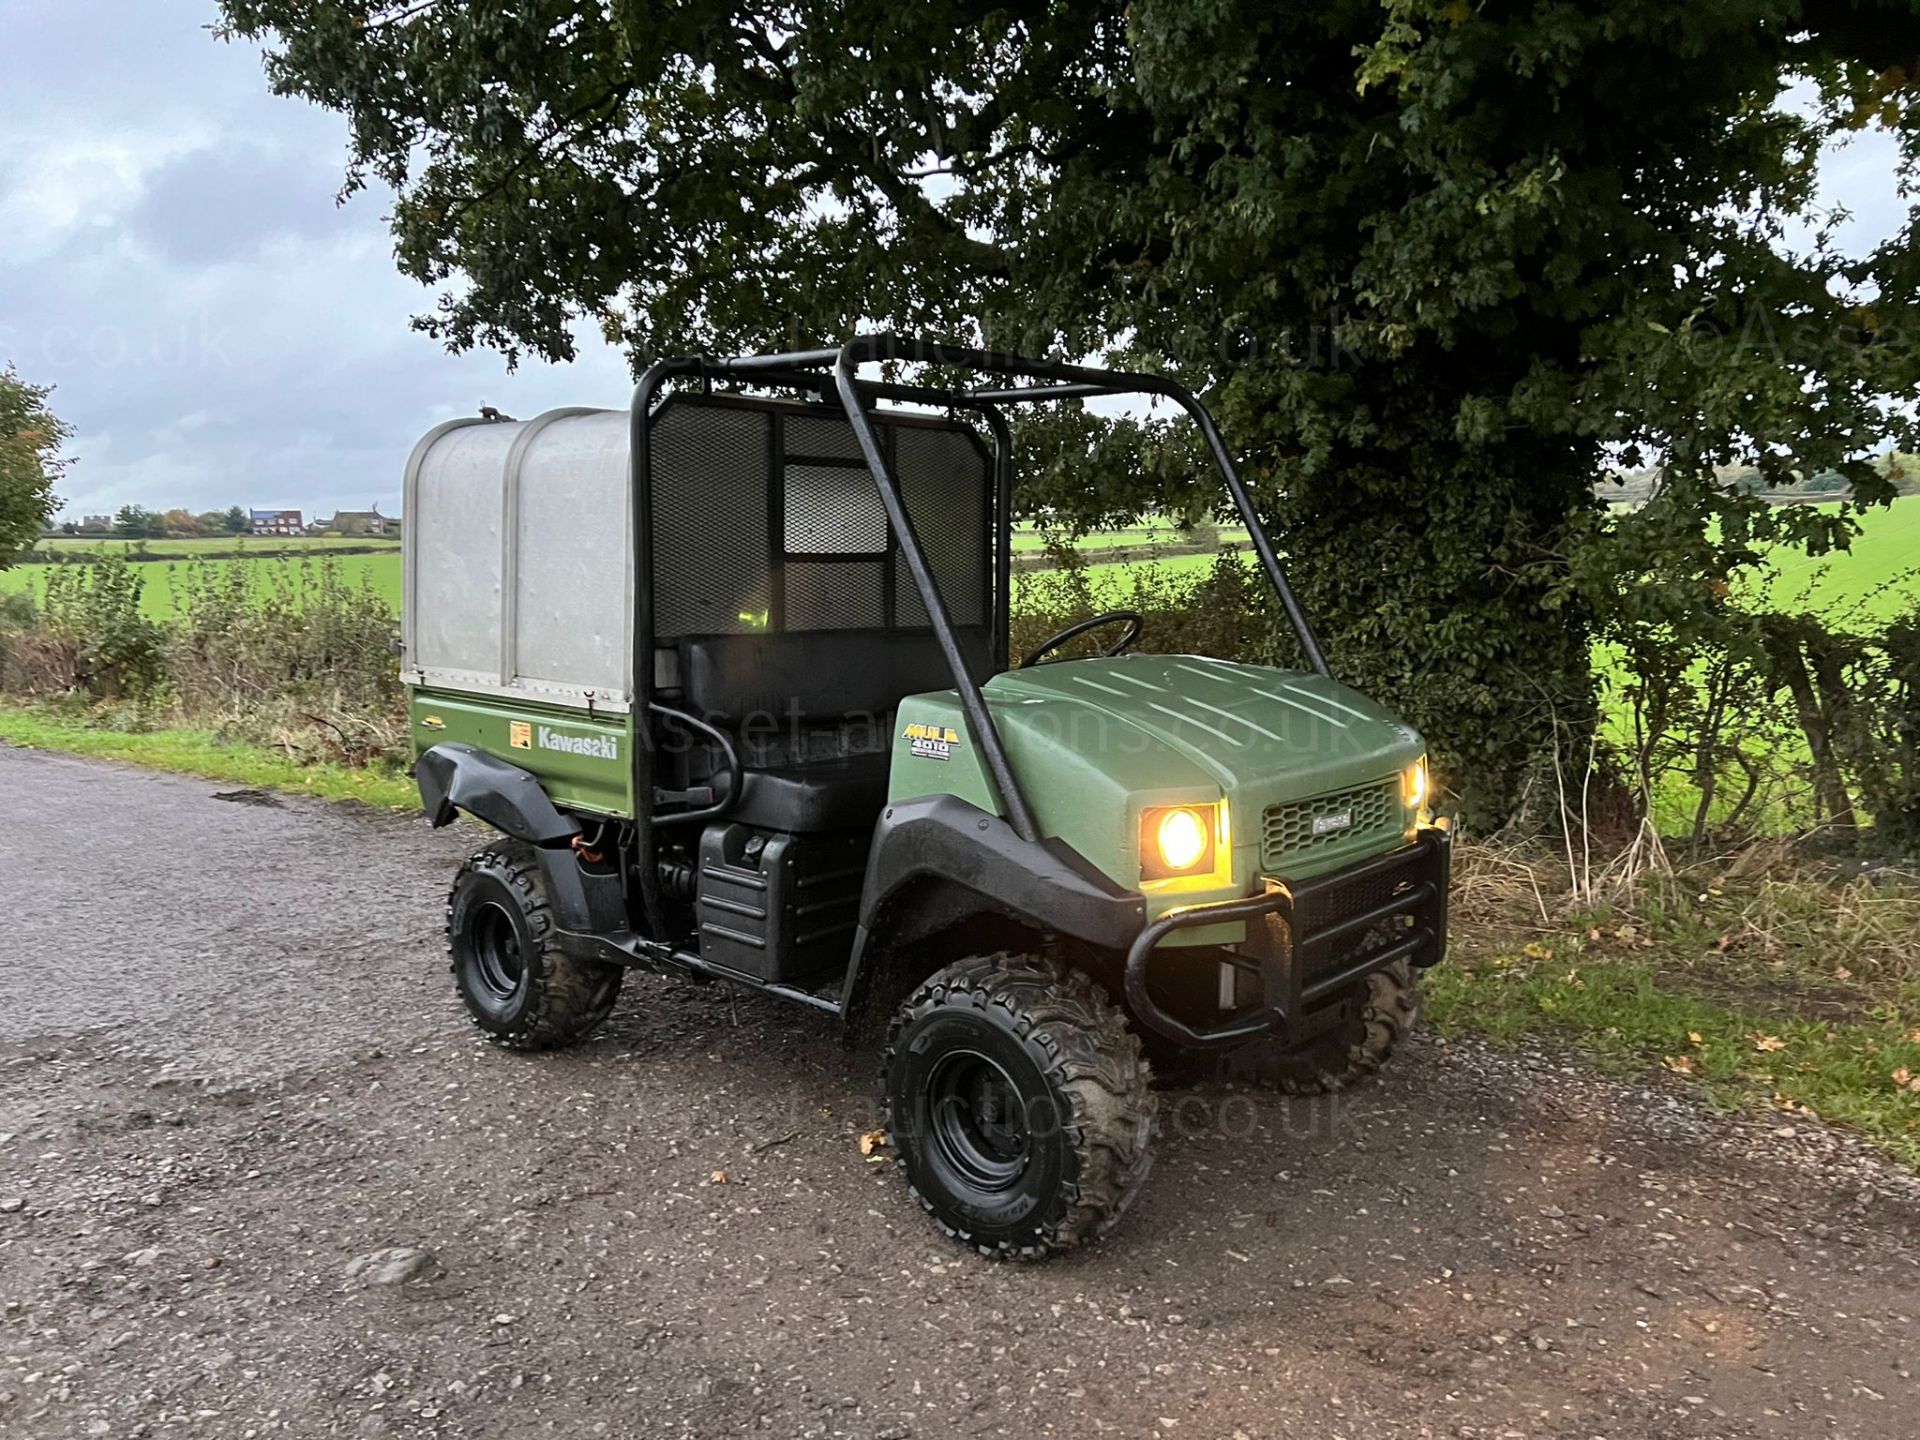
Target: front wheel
520 988
1375 1021
1018 1104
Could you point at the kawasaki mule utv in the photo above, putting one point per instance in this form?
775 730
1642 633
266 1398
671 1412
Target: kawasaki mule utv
729 670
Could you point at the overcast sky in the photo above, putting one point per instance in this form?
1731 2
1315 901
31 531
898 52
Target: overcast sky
172 259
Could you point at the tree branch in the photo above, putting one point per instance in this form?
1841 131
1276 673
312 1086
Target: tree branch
567 124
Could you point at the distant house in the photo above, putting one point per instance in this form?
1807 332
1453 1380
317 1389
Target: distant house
319 526
274 522
360 522
96 524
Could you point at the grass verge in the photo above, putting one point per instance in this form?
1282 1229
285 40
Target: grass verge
1793 993
202 752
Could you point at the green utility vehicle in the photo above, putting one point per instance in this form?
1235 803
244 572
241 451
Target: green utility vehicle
729 671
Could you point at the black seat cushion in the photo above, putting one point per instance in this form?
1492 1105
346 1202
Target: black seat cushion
843 794
785 694
729 680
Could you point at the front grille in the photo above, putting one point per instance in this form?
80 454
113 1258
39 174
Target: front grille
1301 827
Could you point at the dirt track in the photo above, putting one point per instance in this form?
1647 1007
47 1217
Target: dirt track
230 1062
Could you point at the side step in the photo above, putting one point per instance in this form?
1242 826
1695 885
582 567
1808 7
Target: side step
631 949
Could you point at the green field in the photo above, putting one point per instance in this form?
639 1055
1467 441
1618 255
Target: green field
1028 540
159 579
1876 578
199 546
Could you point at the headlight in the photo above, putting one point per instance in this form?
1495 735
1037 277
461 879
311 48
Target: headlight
1178 840
1418 790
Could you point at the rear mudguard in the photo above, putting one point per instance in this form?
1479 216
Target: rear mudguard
454 777
459 777
938 859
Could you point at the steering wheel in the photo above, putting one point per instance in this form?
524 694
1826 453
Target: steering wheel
1135 620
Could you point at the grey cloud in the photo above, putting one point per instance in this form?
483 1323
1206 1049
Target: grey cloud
225 203
226 334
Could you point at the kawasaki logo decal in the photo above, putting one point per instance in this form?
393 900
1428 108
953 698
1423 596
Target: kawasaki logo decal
1327 824
592 747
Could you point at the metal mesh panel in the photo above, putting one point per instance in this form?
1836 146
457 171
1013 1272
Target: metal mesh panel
711 571
833 511
835 595
714 530
945 485
1299 827
820 438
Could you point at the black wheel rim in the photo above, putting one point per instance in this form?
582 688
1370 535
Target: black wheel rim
977 1122
496 952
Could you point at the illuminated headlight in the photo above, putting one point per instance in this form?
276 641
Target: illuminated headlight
1178 840
1418 789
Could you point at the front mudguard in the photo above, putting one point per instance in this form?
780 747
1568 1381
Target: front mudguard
938 859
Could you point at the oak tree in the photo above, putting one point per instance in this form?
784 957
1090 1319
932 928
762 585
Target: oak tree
1436 265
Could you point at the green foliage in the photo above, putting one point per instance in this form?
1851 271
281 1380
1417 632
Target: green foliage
30 463
293 653
1749 711
234 521
1429 262
290 644
97 641
1869 689
134 522
1222 610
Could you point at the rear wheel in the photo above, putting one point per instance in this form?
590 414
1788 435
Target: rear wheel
1379 1016
1018 1104
518 987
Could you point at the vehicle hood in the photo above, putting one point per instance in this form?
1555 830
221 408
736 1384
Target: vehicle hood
1155 721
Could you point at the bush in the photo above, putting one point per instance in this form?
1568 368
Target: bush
283 653
91 637
290 652
18 615
1877 735
1226 610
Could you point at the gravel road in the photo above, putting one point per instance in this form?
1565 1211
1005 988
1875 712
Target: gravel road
231 1063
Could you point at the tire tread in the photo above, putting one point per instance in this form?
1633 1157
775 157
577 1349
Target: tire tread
573 996
1090 1057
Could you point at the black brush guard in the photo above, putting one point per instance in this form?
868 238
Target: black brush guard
1312 939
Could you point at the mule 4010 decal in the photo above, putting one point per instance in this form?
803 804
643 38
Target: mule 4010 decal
932 742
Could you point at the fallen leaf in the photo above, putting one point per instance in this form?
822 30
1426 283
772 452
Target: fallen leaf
1724 943
718 1177
1767 1043
1696 1037
1679 1064
1840 972
1534 950
1903 1079
873 1140
1914 1035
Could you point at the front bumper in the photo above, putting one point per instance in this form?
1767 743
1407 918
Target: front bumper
1312 939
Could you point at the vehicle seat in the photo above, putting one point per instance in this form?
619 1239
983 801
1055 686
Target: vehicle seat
811 713
842 794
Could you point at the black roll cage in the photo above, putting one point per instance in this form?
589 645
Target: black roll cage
832 374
